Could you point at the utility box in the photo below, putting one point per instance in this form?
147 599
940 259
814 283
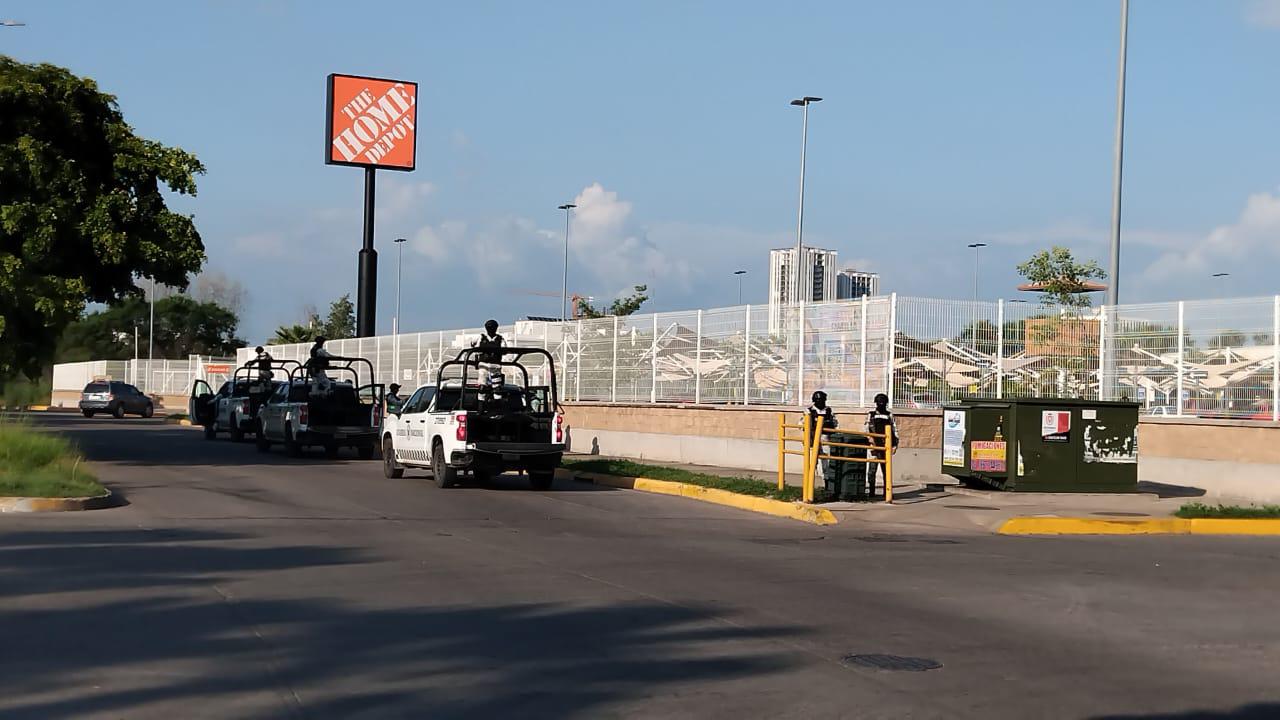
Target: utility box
1042 444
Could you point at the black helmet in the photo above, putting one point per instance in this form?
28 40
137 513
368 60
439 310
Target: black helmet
882 399
258 349
819 396
491 326
320 339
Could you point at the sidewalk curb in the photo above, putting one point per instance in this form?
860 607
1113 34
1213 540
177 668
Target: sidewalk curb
777 508
1155 526
39 504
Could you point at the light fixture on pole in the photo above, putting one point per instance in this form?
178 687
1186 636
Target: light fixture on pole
739 273
1224 285
11 23
973 329
803 103
564 298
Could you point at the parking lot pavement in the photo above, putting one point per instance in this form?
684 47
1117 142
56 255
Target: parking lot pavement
236 584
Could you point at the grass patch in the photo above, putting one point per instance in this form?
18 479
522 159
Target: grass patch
740 485
38 464
1235 512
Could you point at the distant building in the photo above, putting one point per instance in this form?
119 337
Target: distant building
817 273
852 284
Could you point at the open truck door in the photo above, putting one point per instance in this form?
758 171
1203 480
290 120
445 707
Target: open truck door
200 407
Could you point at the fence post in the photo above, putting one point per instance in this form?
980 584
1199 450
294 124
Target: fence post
862 362
417 363
577 375
697 364
1275 360
800 358
1000 348
653 363
746 360
613 391
891 350
1181 348
377 358
1102 353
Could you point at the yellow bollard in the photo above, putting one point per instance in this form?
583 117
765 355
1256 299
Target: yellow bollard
888 463
782 457
805 457
815 449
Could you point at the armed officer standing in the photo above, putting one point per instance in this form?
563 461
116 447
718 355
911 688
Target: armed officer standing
878 421
820 409
490 338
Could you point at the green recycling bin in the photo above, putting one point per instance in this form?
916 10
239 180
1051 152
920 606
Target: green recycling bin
1042 444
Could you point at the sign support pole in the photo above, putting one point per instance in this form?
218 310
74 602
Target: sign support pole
367 289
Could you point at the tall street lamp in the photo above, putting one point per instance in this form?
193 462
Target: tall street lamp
1224 284
11 23
975 247
395 319
151 334
1117 173
739 273
803 103
564 298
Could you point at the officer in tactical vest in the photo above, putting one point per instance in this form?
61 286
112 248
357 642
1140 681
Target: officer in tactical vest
878 421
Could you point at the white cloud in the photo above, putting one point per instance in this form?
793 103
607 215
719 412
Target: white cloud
1263 13
1253 236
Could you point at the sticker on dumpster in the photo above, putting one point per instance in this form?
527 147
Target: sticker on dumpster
1091 414
987 456
1103 444
1055 425
953 438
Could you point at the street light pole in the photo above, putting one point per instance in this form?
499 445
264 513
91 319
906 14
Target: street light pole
1113 269
973 328
803 103
1224 285
739 273
395 319
564 298
151 335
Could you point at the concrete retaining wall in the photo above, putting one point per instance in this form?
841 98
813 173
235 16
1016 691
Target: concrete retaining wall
1230 460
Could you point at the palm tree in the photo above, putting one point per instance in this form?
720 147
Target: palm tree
290 334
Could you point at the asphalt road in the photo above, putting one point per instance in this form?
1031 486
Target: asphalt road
241 585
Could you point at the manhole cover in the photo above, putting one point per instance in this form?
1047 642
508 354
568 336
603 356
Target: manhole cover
971 507
1120 514
891 662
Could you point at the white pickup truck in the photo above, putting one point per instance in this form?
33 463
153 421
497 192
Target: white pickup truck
467 422
343 414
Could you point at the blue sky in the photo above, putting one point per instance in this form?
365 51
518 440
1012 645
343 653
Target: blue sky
944 123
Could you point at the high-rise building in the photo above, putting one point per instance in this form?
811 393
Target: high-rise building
817 273
852 284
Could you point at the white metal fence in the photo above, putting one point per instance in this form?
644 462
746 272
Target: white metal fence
154 377
1208 358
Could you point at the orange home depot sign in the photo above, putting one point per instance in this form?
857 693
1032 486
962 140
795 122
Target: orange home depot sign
371 122
217 368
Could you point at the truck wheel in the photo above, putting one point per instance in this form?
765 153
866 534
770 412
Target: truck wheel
210 432
541 479
118 411
445 475
389 467
364 452
291 445
237 435
87 413
331 450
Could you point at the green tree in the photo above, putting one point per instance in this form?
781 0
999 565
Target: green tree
183 327
1061 279
82 211
622 306
292 334
341 322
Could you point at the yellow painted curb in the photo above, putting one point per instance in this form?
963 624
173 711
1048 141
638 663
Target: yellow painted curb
38 408
1151 526
777 508
37 504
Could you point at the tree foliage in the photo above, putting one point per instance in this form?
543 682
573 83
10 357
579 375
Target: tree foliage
183 327
82 210
340 323
622 306
1060 276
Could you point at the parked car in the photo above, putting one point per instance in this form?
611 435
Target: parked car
463 424
115 398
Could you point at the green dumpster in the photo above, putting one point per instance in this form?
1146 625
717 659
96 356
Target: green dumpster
1042 444
845 480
